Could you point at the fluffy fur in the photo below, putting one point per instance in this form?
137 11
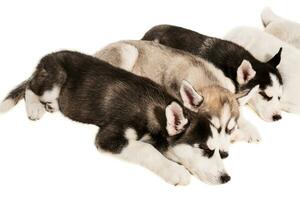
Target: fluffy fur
168 66
139 120
281 28
236 63
263 45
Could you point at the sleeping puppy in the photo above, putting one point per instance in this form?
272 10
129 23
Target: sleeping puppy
168 66
242 69
263 45
281 28
139 120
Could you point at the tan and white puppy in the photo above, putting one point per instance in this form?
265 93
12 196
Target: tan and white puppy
262 45
169 67
281 28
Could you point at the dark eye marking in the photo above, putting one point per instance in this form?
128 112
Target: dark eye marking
223 154
219 129
206 151
279 98
265 96
229 131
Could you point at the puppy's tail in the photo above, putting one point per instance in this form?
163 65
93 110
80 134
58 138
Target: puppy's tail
13 97
268 16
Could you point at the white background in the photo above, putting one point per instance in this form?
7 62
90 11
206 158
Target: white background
55 158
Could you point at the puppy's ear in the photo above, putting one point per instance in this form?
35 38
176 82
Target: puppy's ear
276 59
244 96
245 72
191 99
176 120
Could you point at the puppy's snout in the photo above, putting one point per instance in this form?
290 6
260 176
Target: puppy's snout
276 117
224 178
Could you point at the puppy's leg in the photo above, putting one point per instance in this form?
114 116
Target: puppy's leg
35 109
143 154
245 132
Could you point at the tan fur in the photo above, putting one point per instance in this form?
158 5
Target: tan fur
169 67
216 97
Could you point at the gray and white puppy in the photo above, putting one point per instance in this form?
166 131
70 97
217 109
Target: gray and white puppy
168 66
139 120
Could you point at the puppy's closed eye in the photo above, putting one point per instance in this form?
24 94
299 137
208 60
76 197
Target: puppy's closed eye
206 151
265 96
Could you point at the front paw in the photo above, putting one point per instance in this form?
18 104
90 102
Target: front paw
250 136
175 174
35 110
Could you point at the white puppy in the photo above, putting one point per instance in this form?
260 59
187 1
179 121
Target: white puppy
263 45
284 29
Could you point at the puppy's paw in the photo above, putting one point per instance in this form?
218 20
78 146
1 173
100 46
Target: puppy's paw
35 110
253 137
175 174
249 136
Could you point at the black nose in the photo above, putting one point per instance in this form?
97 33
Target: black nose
225 178
276 117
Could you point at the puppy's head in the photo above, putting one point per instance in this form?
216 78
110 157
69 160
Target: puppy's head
46 76
206 129
267 101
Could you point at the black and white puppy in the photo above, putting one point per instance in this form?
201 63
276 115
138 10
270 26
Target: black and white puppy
234 61
139 121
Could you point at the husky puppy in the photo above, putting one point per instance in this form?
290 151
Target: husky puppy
168 66
262 45
281 28
242 69
139 120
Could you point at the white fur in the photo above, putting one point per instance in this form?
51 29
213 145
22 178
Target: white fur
130 134
51 95
206 169
231 124
245 99
215 121
225 115
246 132
35 110
263 46
149 157
281 28
129 56
219 140
6 105
50 98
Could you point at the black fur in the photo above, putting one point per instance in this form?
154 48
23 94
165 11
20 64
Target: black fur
94 92
18 93
225 55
